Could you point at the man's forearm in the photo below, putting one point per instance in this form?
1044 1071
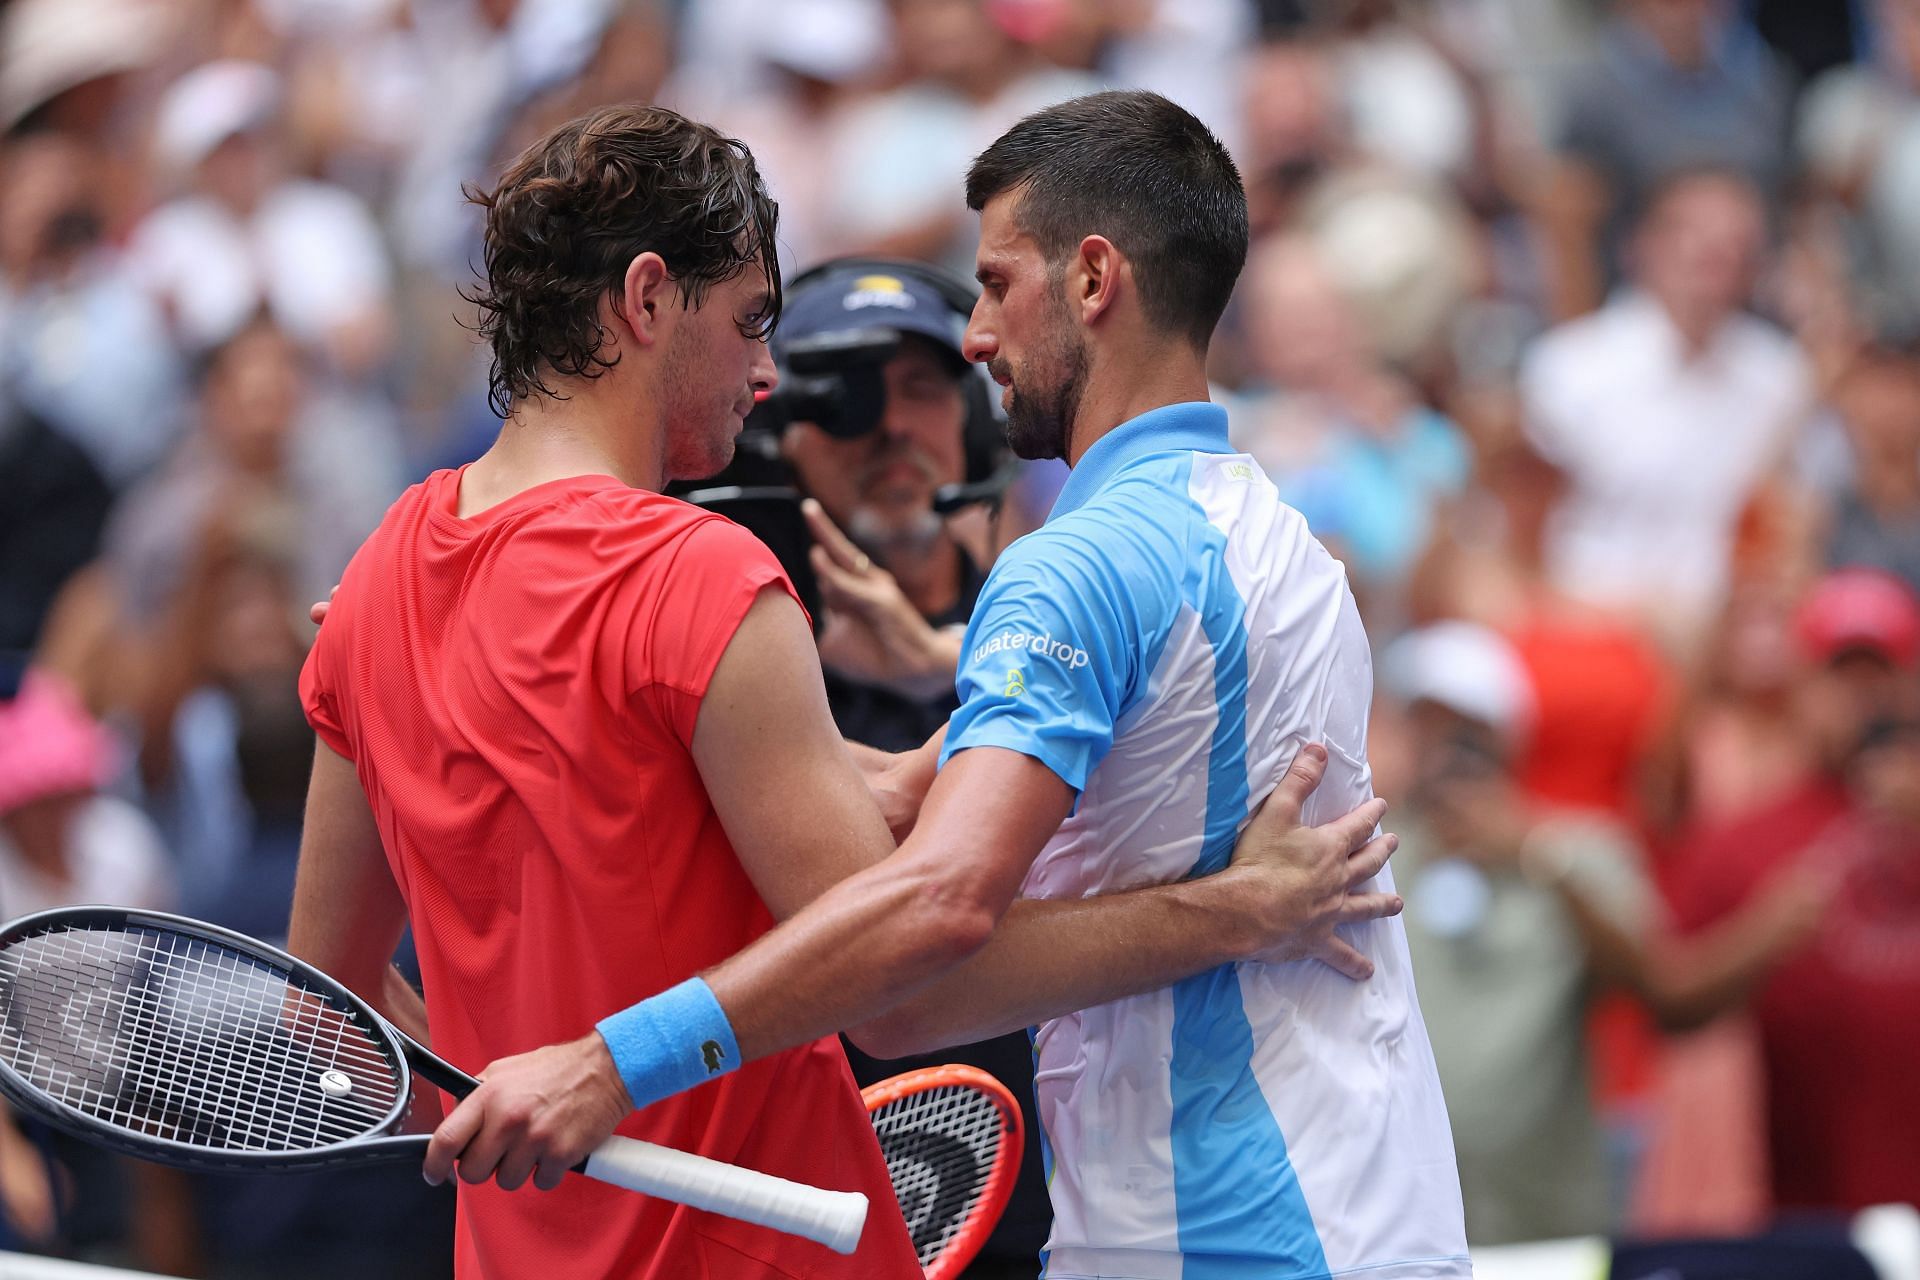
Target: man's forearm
1051 958
858 951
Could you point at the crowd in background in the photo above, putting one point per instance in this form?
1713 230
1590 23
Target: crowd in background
1583 331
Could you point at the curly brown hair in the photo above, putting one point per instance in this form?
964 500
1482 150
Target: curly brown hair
574 209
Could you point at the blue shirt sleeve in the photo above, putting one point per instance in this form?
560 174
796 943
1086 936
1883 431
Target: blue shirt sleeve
1048 662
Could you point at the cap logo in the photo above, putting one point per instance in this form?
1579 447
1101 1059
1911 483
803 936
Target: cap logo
878 291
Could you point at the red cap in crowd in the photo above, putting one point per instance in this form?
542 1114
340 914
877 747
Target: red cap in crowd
1860 609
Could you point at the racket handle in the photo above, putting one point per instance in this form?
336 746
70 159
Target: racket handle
832 1218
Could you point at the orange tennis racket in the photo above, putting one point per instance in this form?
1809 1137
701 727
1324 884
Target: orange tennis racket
952 1138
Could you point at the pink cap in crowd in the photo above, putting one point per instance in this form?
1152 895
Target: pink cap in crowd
49 745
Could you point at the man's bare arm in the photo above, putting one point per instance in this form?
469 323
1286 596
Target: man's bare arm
1686 982
347 911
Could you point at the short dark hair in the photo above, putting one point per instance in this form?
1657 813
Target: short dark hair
575 208
1143 172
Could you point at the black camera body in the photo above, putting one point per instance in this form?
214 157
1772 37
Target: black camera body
833 380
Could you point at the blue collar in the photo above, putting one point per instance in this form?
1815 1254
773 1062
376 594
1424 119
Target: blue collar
1198 425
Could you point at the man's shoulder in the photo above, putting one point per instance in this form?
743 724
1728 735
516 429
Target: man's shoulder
680 536
1622 319
616 527
1116 538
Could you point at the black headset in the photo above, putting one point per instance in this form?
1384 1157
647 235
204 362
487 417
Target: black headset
990 467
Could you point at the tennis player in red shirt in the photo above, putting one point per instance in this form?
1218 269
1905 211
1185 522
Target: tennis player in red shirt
577 732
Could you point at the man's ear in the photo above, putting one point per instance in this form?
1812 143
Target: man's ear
1094 278
644 294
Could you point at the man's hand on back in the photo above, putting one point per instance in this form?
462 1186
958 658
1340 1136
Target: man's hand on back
1304 879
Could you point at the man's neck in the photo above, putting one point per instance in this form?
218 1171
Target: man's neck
1696 327
549 439
1126 385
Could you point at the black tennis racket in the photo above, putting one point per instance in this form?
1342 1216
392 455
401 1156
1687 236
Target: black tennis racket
183 1043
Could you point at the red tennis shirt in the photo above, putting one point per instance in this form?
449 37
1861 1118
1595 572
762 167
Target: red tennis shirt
518 693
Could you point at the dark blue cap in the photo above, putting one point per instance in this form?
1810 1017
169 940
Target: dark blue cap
870 298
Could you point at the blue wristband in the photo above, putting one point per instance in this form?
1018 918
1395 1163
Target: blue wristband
670 1042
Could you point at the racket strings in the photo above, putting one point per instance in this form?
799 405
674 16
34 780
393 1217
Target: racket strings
174 1036
940 1145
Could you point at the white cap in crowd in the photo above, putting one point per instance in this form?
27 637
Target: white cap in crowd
48 47
1467 668
208 105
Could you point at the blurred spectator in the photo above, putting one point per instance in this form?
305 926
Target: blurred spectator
244 235
221 748
1294 131
50 521
1667 409
27 1214
1517 918
479 61
1410 105
1761 728
1602 691
84 348
1347 440
66 65
1740 738
1875 519
1390 232
1674 85
274 453
63 840
1814 37
1193 51
901 155
1836 1021
812 55
1857 143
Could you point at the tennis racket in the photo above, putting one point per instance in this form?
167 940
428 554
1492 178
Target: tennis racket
952 1137
185 1044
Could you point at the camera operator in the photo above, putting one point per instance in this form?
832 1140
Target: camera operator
896 581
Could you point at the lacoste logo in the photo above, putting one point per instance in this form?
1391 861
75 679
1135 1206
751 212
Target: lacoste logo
716 1056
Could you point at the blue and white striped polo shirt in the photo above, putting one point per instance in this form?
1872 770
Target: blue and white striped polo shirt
1165 643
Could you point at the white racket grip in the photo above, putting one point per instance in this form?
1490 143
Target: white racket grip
832 1218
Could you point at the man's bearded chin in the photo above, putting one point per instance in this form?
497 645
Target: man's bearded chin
883 535
1040 422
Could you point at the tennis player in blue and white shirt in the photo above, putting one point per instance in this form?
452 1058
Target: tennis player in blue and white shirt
1164 644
